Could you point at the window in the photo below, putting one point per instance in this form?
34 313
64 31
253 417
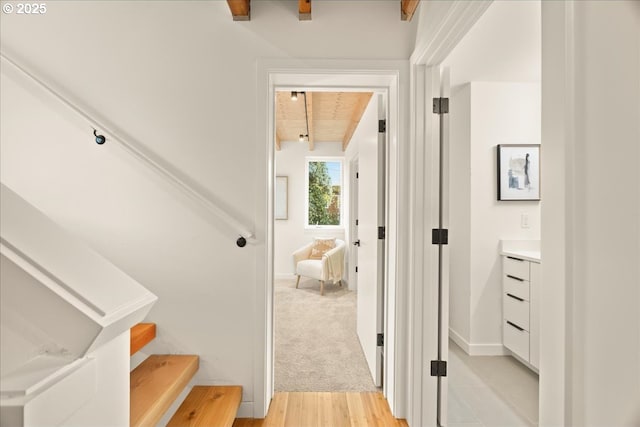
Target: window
324 192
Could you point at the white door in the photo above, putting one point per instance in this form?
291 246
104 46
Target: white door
430 261
443 222
371 209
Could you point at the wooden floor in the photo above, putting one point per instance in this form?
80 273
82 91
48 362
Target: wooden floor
326 410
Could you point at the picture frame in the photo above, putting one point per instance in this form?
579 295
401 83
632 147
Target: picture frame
281 201
518 172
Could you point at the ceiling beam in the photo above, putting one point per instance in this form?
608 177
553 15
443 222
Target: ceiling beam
309 99
407 8
355 119
304 10
240 9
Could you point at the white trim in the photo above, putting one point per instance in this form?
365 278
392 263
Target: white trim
485 349
461 16
386 76
245 410
560 368
284 276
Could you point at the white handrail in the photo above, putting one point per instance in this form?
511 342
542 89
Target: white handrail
245 234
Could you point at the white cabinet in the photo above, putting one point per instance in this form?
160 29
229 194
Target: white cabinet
534 332
520 308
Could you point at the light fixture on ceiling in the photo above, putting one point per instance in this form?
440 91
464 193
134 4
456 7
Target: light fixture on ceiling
294 95
306 119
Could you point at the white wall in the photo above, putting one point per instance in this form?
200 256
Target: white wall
292 234
187 94
489 114
591 215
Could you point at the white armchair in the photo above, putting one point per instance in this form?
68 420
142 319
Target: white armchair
330 267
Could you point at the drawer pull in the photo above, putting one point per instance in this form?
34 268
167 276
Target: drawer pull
515 259
515 326
515 297
515 278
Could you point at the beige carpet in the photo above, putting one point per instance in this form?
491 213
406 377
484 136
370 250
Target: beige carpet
316 346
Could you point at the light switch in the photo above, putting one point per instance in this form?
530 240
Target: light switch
524 220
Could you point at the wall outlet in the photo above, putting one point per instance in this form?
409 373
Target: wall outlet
524 220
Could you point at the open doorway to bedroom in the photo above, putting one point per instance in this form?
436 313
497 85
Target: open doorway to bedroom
326 322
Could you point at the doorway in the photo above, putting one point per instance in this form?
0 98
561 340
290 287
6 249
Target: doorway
329 75
327 327
492 381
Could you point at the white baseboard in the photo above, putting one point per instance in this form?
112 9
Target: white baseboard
478 349
245 410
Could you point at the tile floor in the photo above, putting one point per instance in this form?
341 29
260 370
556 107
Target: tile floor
490 391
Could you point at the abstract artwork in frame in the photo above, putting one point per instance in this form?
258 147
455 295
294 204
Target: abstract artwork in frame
518 172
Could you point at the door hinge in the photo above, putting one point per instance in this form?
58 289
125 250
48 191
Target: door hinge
356 222
356 268
381 233
440 105
438 368
357 175
439 236
382 126
380 340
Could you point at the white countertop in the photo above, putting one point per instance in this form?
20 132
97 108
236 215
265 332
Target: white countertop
533 256
524 249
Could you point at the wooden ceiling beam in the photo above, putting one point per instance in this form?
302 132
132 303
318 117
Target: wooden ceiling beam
358 111
240 9
309 99
407 9
304 10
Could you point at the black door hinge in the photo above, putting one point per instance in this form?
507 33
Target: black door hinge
382 233
356 268
356 222
440 105
440 236
382 126
380 340
438 368
357 175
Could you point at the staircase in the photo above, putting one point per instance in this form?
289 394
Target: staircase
158 381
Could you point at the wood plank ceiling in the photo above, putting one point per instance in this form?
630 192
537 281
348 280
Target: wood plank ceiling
241 9
330 117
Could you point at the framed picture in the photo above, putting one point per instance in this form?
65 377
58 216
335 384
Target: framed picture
518 172
281 197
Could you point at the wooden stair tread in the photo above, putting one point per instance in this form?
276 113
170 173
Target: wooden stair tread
156 383
141 335
207 406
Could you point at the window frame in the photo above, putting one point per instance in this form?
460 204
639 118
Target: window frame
325 159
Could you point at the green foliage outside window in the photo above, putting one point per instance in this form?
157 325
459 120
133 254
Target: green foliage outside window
324 198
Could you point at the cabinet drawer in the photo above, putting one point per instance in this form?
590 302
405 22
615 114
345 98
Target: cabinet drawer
516 340
516 268
516 311
519 288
